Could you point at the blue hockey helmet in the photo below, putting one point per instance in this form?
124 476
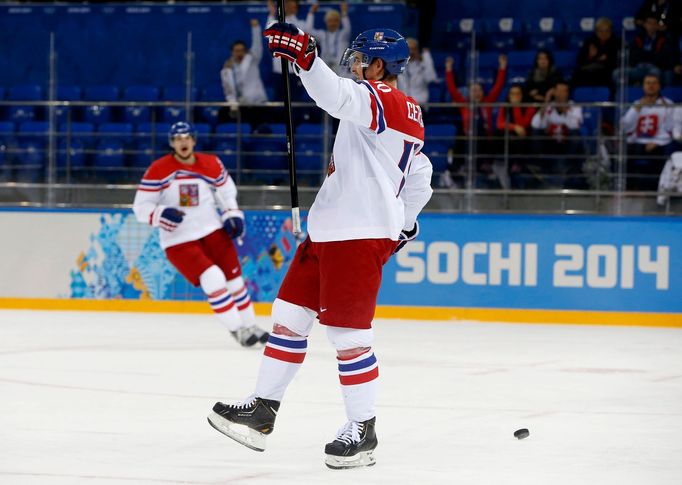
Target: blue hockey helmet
385 44
181 128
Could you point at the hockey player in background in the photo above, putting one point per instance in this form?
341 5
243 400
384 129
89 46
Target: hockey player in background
193 200
377 182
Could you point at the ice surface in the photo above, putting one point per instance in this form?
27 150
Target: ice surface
123 398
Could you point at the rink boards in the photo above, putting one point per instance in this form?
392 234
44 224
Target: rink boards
564 269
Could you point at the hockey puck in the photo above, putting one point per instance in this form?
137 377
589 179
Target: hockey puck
521 433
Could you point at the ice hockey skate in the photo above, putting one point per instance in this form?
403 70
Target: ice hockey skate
247 422
353 446
250 336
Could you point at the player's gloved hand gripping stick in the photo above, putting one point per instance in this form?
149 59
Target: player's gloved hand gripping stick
289 42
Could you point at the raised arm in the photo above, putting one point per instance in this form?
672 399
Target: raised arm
340 97
450 81
429 70
256 41
499 80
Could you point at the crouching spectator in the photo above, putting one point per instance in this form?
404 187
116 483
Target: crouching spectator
557 126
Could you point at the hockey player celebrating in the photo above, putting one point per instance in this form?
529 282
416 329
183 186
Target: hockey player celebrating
378 181
193 200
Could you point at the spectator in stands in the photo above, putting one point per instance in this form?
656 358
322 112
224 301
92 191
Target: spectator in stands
651 53
513 125
668 15
542 77
418 74
650 125
480 124
240 75
334 39
598 57
557 126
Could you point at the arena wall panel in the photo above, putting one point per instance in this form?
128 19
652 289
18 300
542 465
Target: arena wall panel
563 269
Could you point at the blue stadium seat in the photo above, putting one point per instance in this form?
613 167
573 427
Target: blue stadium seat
27 92
443 133
225 144
502 34
141 93
521 59
204 136
113 139
32 154
122 132
2 93
101 93
213 93
565 60
6 143
674 93
173 114
67 93
438 154
75 139
543 32
436 92
158 130
210 114
178 93
97 113
151 142
460 38
590 94
310 131
577 30
139 114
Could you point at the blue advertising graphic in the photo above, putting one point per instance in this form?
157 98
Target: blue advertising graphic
467 261
540 262
124 260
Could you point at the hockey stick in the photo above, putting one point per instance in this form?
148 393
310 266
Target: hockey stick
293 185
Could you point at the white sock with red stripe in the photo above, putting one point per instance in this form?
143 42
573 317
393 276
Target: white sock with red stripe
282 357
242 300
222 303
359 383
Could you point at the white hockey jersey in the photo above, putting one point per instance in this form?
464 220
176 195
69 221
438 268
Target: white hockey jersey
651 124
558 124
378 180
189 188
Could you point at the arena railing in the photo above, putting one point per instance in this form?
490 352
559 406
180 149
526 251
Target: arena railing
57 163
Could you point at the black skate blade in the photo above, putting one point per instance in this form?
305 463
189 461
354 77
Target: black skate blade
363 458
255 441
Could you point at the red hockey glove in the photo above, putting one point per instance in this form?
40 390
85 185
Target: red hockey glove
288 41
